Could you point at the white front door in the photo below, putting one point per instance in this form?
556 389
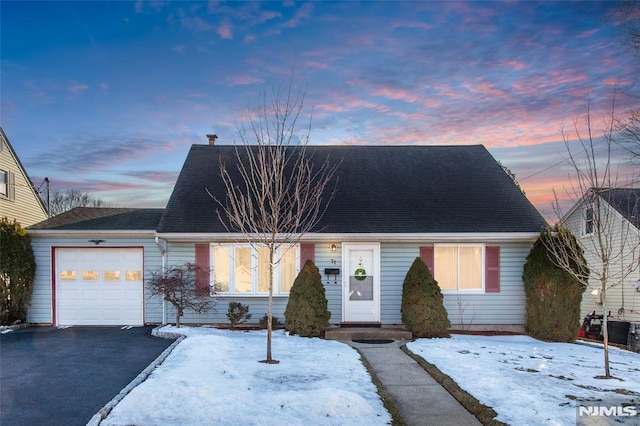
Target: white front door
361 282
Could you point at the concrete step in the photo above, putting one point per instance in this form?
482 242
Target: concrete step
395 332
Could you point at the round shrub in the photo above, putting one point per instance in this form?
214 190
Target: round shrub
553 295
423 311
306 314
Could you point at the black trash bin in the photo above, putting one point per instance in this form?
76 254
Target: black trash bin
618 331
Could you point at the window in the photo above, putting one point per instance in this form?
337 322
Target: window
90 275
459 267
111 275
133 275
242 269
4 183
588 221
68 275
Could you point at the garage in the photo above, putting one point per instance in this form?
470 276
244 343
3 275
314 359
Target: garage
99 286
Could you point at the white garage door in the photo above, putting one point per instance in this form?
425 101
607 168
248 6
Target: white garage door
99 286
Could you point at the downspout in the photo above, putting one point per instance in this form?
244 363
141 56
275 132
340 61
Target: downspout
164 302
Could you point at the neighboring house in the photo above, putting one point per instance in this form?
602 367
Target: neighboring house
18 198
454 206
620 228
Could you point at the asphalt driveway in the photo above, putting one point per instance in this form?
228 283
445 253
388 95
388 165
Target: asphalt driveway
64 376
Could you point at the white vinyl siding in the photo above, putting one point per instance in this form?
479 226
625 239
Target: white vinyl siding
473 310
485 311
622 299
21 202
41 307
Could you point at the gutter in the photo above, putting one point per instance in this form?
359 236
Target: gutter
163 252
376 237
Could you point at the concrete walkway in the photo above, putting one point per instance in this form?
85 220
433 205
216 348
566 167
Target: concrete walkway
419 398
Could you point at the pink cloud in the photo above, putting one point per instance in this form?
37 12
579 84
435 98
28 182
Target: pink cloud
587 34
239 80
315 65
225 32
411 24
75 87
397 94
485 89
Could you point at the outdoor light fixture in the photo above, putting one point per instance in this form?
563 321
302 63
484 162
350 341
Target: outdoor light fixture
334 248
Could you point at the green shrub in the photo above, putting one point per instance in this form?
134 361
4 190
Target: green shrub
423 311
307 314
17 272
553 295
237 314
275 323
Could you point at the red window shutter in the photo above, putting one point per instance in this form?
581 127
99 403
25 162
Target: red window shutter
307 252
427 256
203 270
492 269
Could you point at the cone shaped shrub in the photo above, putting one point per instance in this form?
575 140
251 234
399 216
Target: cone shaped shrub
17 272
423 311
553 296
307 314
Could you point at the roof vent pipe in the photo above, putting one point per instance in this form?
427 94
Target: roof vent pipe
212 139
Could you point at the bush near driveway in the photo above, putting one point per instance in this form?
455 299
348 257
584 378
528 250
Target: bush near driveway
17 272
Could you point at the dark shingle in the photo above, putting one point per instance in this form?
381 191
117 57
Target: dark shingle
103 219
626 201
381 189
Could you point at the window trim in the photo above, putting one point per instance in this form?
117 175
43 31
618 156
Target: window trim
254 268
586 221
6 192
483 265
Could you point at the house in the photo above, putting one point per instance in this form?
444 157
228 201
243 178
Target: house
18 198
619 225
454 206
90 266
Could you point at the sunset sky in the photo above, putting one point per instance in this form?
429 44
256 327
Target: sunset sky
107 97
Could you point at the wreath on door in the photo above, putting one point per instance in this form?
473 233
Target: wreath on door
360 273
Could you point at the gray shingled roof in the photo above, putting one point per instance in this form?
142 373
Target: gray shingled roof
626 201
380 189
102 219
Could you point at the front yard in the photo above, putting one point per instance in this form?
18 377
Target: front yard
527 381
213 377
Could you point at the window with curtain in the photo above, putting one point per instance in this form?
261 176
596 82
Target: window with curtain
459 267
242 269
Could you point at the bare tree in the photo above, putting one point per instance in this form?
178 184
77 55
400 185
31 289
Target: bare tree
628 124
61 201
178 286
611 243
277 194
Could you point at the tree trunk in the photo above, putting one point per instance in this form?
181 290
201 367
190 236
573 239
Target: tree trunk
178 315
270 359
605 331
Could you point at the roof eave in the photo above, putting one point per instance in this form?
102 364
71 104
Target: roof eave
383 237
66 233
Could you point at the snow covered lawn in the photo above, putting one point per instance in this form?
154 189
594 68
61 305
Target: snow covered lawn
530 382
214 377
